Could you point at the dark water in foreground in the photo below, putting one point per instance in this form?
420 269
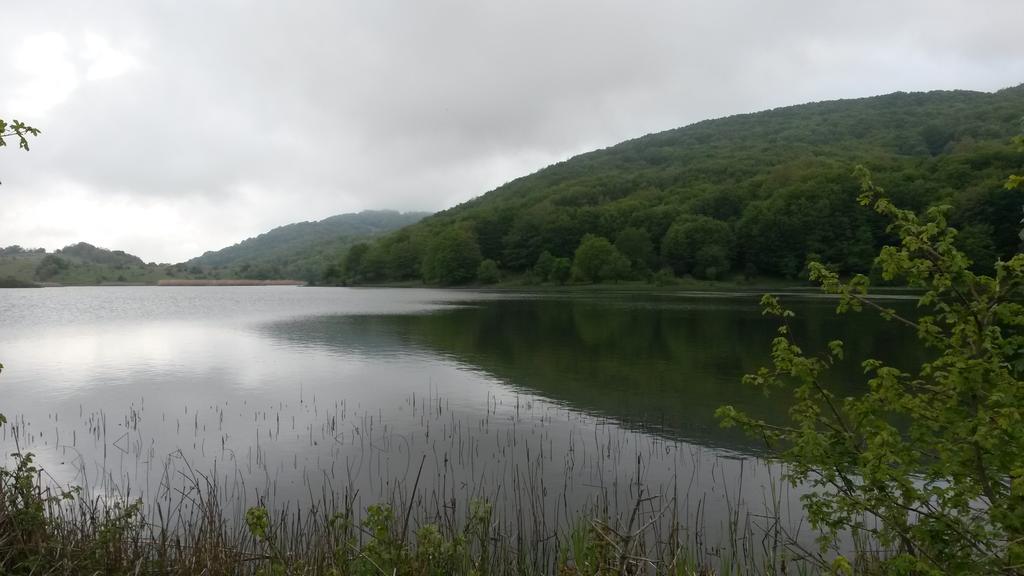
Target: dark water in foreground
543 404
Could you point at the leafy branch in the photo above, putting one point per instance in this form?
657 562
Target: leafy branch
929 464
16 129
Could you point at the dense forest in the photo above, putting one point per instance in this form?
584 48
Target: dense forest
753 195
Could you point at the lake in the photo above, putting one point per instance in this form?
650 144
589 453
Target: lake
545 404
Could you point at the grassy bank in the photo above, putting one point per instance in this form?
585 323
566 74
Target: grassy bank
46 531
10 282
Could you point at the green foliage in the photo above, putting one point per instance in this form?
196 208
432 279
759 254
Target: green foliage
588 551
27 522
635 244
711 261
664 277
452 258
778 179
355 258
18 130
1015 180
258 521
597 260
403 259
551 269
435 551
50 267
975 241
561 271
545 266
487 272
929 464
700 245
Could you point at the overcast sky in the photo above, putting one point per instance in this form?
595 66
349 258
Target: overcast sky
173 127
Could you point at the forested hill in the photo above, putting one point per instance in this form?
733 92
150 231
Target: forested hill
753 194
79 263
303 249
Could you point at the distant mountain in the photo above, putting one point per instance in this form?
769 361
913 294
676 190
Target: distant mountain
76 264
753 194
301 250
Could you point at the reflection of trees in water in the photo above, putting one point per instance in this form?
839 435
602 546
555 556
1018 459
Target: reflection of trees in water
662 364
374 336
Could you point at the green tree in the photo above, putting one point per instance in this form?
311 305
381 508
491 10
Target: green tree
487 272
561 271
635 244
352 265
1014 182
597 260
544 266
404 259
975 241
452 258
333 273
374 267
929 464
689 236
711 261
50 266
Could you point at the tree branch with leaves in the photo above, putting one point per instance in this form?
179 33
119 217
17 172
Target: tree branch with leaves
16 129
928 464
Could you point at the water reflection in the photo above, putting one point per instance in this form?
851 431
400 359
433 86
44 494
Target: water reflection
662 364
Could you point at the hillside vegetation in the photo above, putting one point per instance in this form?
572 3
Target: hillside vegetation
748 195
296 251
301 250
80 263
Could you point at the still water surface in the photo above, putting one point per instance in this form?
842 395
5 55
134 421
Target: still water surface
544 404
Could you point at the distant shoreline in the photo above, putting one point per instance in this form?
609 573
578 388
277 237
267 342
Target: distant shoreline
236 282
9 283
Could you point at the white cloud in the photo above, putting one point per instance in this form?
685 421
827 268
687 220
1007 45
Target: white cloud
45 75
103 60
177 127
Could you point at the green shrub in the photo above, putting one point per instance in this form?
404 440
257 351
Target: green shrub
487 272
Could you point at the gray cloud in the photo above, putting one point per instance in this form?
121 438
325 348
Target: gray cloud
175 127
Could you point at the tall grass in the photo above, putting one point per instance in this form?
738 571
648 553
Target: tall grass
526 489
